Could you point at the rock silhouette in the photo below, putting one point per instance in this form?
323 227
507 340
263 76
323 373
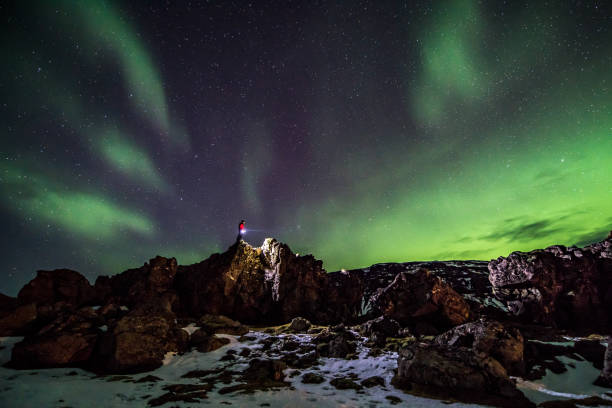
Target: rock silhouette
482 316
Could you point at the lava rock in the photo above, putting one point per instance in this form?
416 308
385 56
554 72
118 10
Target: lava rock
260 375
345 383
379 329
557 286
312 378
443 371
605 378
139 341
152 282
55 286
267 285
491 338
205 342
299 325
421 296
68 341
373 382
221 324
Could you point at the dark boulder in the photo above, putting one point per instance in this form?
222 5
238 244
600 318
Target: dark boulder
345 383
68 341
605 378
59 285
139 341
379 329
312 378
374 381
336 342
421 296
205 342
505 344
457 372
299 325
260 375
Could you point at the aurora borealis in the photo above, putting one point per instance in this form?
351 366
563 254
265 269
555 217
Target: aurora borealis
361 132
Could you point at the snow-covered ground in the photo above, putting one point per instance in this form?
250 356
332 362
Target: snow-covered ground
69 387
76 388
575 383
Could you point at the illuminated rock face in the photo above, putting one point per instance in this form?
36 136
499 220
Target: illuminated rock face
268 284
559 286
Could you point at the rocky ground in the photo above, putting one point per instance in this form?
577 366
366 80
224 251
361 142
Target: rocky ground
516 331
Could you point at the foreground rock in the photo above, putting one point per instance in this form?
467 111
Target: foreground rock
605 378
139 341
458 373
558 286
379 329
68 341
336 342
491 338
260 375
421 297
299 325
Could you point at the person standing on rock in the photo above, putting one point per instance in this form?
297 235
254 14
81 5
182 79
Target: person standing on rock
241 230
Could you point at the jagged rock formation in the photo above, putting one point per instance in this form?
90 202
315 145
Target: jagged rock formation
140 315
421 297
267 284
558 286
151 282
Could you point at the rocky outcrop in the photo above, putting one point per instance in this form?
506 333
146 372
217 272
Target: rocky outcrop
444 371
261 285
68 341
421 296
139 341
505 344
557 286
59 285
152 281
605 378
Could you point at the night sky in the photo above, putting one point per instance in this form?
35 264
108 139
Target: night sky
361 132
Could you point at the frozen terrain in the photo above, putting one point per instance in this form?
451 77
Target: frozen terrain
69 387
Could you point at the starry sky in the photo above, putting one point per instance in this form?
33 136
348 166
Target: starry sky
359 131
